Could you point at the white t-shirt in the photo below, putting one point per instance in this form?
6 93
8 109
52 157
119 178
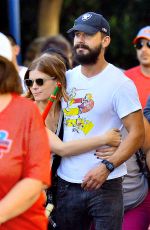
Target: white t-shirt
96 105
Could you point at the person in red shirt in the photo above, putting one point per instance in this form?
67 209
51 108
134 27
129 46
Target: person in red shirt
141 74
24 156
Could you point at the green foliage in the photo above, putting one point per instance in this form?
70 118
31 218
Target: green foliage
126 17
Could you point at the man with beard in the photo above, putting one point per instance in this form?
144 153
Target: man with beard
100 97
141 74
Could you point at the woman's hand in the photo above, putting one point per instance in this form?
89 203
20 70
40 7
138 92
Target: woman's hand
105 153
113 137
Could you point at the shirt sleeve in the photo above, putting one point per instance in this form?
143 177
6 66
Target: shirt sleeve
37 154
126 99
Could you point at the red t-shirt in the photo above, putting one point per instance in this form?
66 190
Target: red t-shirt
24 153
142 83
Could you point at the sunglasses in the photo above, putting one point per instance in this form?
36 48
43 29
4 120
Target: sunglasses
38 81
139 45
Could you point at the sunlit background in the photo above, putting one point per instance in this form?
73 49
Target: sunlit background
40 18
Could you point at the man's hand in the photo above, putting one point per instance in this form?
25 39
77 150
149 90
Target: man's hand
95 177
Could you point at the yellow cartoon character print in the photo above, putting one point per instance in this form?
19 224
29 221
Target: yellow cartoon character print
83 105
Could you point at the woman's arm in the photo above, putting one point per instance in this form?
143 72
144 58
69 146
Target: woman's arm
20 198
75 147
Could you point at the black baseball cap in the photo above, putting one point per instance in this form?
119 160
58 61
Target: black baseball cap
90 23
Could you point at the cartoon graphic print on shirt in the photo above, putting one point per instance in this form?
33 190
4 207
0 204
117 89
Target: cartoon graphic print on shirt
5 143
76 107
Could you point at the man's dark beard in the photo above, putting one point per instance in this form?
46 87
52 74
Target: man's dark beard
86 59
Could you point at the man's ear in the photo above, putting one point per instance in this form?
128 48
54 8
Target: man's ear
16 50
106 41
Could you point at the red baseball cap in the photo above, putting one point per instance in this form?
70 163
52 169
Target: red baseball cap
143 33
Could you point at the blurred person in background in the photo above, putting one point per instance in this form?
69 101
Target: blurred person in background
33 50
58 53
41 44
15 52
61 43
5 47
141 77
141 74
24 170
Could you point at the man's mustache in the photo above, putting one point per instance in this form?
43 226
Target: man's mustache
81 46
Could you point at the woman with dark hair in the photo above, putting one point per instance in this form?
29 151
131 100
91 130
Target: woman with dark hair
24 171
61 43
60 54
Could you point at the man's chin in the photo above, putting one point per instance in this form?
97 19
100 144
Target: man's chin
146 63
80 56
82 51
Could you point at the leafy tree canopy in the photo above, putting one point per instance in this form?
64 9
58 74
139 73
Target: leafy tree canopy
126 17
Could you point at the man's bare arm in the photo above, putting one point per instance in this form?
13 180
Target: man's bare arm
134 140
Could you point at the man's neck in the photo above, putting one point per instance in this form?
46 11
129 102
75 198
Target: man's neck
94 69
15 64
145 70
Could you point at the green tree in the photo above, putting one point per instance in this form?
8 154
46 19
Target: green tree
49 17
125 17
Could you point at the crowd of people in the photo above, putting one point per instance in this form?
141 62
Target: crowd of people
87 161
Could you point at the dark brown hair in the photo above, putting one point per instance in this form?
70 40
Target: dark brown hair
9 79
52 66
61 43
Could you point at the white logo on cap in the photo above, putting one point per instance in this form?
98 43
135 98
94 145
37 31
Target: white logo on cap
86 17
104 30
